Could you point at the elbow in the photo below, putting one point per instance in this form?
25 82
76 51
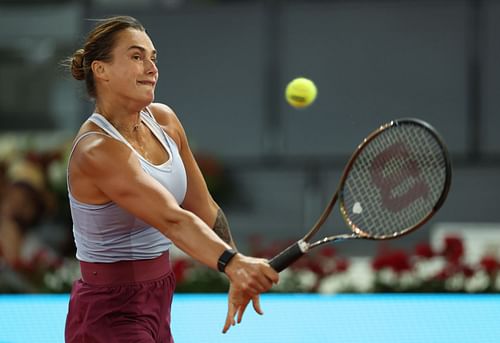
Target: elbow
174 227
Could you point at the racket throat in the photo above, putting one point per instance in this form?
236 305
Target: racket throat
333 239
303 246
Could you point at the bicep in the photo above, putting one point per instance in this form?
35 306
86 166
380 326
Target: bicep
142 195
120 177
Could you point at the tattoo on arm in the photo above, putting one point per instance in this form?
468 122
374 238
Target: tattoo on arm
221 228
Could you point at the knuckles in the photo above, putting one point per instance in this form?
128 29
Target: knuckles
253 276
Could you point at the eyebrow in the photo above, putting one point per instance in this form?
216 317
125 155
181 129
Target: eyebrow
154 52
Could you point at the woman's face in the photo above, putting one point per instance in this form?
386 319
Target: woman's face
132 73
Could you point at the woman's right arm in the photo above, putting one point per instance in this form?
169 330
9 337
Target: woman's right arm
114 170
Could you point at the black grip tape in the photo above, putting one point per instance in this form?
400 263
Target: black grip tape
286 257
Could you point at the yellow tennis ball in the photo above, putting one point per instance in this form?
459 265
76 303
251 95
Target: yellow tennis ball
301 92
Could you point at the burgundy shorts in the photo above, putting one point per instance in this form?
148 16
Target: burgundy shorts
127 301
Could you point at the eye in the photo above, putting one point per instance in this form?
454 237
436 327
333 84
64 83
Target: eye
154 59
136 57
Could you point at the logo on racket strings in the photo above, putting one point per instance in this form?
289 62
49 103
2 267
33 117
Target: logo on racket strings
398 178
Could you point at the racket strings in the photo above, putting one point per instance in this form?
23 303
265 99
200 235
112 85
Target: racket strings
394 182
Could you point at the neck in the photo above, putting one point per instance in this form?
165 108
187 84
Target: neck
126 121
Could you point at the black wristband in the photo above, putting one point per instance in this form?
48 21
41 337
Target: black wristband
224 259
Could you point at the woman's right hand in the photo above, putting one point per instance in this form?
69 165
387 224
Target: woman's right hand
236 305
251 275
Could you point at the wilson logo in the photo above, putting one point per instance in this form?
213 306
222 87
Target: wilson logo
398 178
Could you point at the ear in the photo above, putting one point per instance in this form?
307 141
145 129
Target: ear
99 70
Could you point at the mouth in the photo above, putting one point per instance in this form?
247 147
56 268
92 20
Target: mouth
147 83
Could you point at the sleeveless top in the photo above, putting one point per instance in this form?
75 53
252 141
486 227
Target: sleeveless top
107 233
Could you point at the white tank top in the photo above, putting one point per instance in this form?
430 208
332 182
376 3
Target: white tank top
107 233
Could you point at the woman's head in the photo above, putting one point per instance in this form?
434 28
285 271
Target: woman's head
99 46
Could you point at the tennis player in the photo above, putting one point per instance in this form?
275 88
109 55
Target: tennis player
135 189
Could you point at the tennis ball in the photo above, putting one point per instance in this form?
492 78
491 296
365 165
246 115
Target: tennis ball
301 92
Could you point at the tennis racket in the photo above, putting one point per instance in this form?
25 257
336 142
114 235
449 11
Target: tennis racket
394 182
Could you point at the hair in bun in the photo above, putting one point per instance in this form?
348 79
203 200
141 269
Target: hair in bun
77 68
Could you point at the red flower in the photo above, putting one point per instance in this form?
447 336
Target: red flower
397 260
315 266
424 250
400 261
490 264
379 262
342 265
453 249
467 271
443 274
455 268
327 251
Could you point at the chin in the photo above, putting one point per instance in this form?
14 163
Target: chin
148 100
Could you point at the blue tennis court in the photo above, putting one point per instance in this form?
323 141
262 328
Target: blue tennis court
288 318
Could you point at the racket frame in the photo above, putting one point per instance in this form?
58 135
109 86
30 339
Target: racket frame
302 246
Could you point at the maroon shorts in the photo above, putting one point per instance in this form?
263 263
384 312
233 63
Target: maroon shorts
127 301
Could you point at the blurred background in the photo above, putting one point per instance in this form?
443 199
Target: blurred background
224 66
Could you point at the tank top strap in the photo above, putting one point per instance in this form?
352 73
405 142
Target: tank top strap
151 122
75 143
148 119
104 124
148 113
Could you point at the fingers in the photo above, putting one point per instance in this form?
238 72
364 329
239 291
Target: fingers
256 305
272 274
259 284
237 305
266 282
231 312
262 281
241 310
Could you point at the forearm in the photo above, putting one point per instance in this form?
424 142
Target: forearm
193 236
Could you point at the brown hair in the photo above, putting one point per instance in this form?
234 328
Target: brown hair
98 45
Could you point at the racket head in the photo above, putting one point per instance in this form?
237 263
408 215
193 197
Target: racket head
396 180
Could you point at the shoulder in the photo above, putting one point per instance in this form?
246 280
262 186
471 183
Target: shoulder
91 138
164 114
95 150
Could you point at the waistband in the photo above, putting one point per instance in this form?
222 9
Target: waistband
125 272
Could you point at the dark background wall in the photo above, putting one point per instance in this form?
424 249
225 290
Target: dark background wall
224 66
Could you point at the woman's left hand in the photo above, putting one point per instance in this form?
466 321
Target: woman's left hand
237 304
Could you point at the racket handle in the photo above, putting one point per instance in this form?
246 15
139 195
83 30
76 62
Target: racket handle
288 256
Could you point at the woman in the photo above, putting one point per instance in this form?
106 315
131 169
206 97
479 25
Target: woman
135 188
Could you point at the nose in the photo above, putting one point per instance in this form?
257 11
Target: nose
151 68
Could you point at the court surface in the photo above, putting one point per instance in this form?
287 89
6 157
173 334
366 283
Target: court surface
288 318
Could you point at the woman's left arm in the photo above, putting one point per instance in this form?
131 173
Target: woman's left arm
199 201
198 198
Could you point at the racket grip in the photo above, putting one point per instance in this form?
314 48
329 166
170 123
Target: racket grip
288 256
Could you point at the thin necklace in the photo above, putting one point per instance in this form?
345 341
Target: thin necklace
134 128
